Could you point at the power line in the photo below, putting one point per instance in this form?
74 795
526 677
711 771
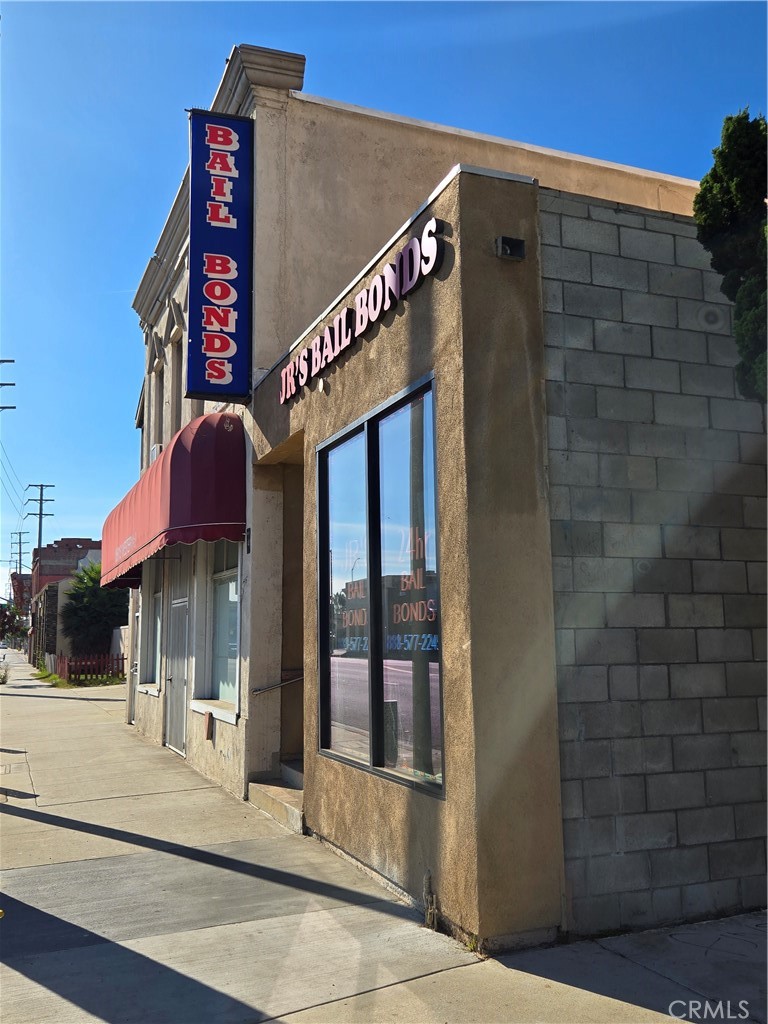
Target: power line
10 496
16 494
15 489
10 464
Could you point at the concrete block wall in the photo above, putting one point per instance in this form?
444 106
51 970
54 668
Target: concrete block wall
657 492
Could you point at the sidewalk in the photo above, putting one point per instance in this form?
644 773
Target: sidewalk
135 890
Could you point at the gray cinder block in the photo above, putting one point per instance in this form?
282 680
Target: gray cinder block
693 753
665 646
738 859
675 791
671 717
691 681
653 374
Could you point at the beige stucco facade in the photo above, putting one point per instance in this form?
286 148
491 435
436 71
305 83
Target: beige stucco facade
329 178
499 770
605 325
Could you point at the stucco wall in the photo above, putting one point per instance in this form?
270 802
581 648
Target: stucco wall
320 189
657 498
148 715
493 877
221 756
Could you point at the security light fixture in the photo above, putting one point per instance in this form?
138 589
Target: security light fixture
510 248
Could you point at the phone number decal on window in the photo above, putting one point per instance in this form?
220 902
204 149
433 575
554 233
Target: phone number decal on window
413 642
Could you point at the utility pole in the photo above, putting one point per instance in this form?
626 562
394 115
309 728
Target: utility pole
40 514
7 384
19 534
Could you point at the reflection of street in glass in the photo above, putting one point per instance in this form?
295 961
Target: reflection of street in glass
349 703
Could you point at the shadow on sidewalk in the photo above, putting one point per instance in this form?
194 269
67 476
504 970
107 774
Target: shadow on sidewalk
107 980
276 876
55 695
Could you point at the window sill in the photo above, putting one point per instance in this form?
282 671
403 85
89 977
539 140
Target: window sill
149 688
221 710
419 785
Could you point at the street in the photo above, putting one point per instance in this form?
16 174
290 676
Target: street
349 704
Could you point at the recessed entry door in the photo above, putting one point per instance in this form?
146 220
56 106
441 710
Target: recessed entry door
176 682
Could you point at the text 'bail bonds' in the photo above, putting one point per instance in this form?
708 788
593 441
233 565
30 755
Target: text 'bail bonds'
418 258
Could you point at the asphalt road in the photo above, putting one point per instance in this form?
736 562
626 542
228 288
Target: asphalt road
349 692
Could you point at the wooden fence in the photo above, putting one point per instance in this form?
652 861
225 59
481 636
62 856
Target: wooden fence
90 666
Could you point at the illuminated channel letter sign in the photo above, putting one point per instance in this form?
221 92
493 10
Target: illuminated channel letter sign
220 257
418 258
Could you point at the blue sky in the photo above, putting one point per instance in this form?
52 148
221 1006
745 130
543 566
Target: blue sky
94 144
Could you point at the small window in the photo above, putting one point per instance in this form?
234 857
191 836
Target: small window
156 629
151 620
225 555
158 411
225 618
381 701
177 355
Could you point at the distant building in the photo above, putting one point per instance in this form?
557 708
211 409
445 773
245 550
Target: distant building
21 586
58 560
52 569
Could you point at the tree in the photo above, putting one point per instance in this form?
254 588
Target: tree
11 624
730 213
92 612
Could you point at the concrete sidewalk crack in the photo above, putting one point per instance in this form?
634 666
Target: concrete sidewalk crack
31 780
645 967
287 1014
129 796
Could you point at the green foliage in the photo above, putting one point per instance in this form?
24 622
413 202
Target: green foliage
11 622
64 684
92 612
730 213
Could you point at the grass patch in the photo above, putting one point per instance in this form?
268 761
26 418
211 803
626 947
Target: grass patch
79 684
76 684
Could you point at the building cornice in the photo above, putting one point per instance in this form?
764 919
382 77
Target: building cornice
166 259
251 67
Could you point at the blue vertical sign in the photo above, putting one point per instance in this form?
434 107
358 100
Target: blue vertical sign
220 257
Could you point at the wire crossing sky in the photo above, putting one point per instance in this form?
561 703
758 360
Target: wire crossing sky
95 141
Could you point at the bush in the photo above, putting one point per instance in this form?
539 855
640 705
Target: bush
730 213
92 612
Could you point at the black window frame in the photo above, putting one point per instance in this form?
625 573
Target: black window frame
368 427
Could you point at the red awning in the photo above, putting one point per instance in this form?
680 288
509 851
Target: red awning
194 490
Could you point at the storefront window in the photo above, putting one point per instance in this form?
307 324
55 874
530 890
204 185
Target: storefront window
409 591
380 684
226 623
349 612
